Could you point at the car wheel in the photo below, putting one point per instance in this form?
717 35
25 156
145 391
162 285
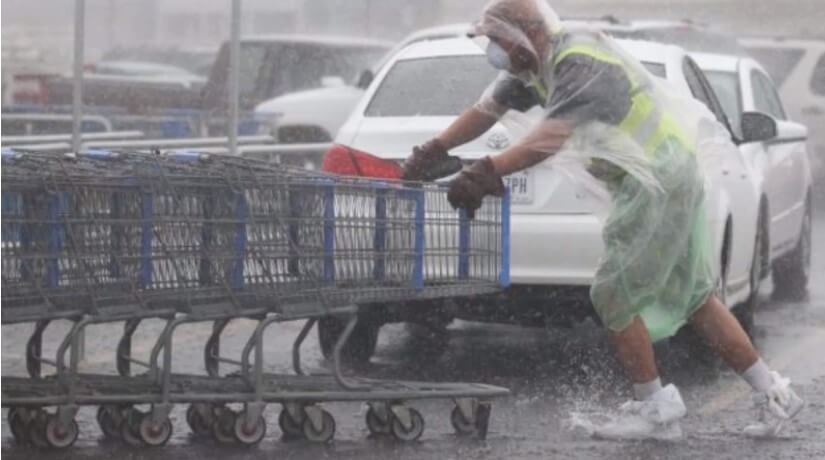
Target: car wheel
744 312
792 272
361 344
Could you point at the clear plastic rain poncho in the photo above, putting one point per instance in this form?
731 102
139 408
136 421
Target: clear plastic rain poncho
645 147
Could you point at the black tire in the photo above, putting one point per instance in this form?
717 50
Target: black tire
197 422
414 432
744 312
791 273
59 436
19 426
109 424
361 344
325 434
430 341
290 428
461 425
377 426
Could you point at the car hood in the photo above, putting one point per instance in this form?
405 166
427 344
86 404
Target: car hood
311 97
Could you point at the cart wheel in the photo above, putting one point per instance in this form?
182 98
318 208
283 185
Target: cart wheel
199 425
37 429
462 426
58 436
19 426
223 429
108 420
249 435
376 425
325 434
412 433
289 427
154 434
129 427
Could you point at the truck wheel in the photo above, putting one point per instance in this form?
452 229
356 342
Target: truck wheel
361 344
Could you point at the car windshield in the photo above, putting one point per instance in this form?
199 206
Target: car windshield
779 62
417 87
726 87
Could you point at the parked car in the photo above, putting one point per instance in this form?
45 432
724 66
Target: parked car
270 66
315 115
556 234
196 60
798 69
780 163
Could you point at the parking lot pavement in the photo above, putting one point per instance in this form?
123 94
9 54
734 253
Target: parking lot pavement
551 373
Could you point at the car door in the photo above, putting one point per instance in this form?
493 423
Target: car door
735 183
784 181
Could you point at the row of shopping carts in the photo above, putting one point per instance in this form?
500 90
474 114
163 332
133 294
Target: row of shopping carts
120 238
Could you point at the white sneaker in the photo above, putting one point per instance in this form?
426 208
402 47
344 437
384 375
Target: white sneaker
774 408
654 418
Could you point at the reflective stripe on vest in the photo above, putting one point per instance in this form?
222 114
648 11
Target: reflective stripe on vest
648 126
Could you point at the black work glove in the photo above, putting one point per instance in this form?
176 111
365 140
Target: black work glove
429 162
473 184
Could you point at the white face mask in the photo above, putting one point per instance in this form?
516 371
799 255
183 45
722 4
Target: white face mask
498 56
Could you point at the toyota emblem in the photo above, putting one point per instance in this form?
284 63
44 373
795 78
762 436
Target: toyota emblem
498 141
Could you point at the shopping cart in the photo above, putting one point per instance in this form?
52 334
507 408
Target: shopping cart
119 237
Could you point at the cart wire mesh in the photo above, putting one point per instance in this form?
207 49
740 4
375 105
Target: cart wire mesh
113 230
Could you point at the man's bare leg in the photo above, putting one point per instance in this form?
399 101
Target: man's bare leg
723 333
635 352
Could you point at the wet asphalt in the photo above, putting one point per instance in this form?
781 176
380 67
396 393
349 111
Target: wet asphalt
551 373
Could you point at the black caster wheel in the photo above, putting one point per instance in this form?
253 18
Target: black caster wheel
326 431
130 427
249 434
59 436
289 426
152 433
461 425
410 433
37 429
108 419
377 426
19 423
223 429
198 423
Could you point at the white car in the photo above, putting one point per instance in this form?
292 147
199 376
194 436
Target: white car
780 164
798 69
556 235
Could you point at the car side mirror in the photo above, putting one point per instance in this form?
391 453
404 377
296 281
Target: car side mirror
758 127
365 79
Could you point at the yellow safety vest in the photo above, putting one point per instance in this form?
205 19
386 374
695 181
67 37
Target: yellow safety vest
645 122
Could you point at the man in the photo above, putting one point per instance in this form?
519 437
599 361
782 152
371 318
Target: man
641 142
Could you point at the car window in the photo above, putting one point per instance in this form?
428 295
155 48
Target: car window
695 83
818 78
726 87
765 98
704 91
443 86
656 69
779 62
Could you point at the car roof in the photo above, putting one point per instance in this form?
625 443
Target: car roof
457 46
327 40
649 51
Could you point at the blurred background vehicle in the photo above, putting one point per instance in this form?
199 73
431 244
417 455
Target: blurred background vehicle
315 115
198 61
556 230
797 67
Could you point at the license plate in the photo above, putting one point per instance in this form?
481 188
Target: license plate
520 186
